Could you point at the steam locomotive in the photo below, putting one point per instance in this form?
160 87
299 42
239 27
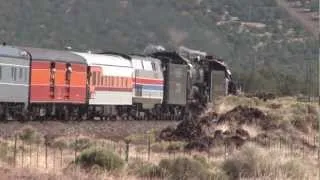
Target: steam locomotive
39 83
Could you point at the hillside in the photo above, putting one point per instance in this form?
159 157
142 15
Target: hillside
305 13
265 49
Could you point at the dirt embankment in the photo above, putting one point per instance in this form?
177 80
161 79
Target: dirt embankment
244 123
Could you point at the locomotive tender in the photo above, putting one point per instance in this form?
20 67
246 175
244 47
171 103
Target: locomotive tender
56 84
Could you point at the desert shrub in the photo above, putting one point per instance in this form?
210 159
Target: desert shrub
219 175
29 135
293 169
159 146
4 151
134 165
245 101
141 138
166 163
300 123
175 146
59 144
99 157
185 168
249 162
274 106
80 144
299 108
151 171
202 160
167 146
304 116
138 167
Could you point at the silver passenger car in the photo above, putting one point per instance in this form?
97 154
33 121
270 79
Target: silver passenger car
14 79
148 81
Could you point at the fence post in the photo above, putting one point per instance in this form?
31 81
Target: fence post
15 151
314 144
22 154
149 148
30 151
61 157
120 148
127 149
75 149
280 142
46 154
38 146
54 159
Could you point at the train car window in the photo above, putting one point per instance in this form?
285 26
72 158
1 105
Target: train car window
118 81
123 82
98 78
68 72
112 81
127 83
102 81
94 76
139 90
52 65
147 65
137 64
14 73
153 66
20 73
88 75
25 75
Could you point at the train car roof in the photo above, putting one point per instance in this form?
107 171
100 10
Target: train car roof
54 55
143 57
172 57
12 51
116 54
105 59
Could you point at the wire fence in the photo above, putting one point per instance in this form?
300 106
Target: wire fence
51 158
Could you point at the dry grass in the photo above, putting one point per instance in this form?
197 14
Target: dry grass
255 162
303 116
249 162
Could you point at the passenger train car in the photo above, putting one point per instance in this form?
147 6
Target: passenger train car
14 81
148 83
110 83
58 81
44 83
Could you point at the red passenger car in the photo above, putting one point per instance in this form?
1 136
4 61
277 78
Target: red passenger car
58 82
